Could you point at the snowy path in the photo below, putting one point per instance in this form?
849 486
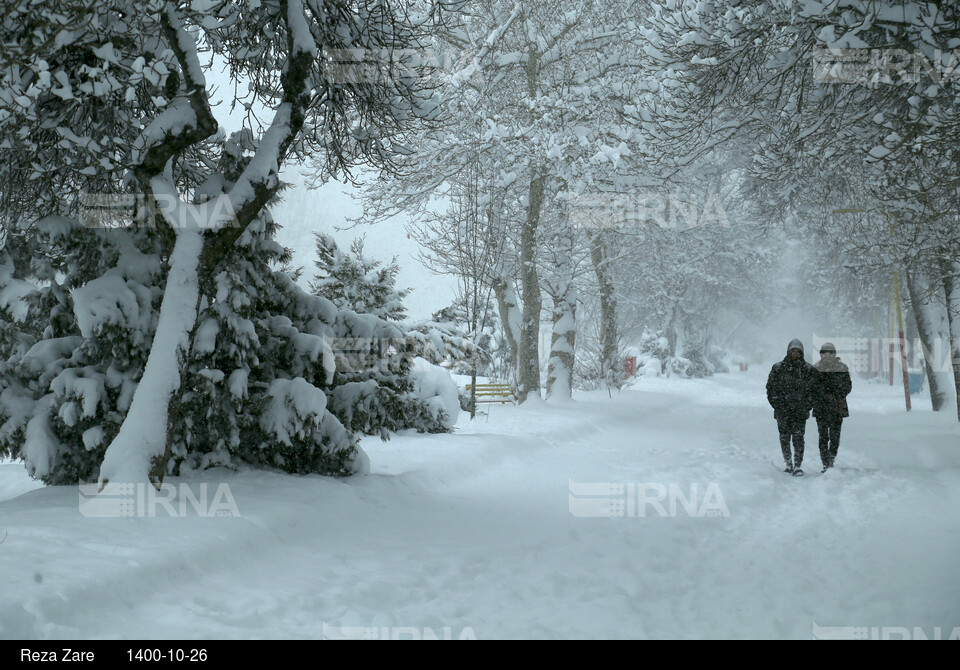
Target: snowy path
473 533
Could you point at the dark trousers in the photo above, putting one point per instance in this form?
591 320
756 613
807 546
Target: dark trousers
829 429
792 429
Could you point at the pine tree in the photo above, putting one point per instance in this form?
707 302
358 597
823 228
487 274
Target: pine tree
378 376
457 347
360 283
75 346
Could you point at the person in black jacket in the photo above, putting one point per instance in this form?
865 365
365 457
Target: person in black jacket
789 393
831 386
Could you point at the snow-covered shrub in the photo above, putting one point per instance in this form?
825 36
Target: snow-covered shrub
434 387
356 281
259 384
444 344
678 366
304 437
654 359
16 401
652 367
451 324
466 400
69 383
372 376
652 345
652 354
718 359
697 364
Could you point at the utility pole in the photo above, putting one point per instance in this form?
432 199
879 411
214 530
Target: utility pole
896 299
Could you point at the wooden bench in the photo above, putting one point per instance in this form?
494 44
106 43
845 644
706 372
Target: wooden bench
491 393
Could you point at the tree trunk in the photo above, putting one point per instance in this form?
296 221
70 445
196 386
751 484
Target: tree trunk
510 319
563 342
951 286
673 329
528 355
931 337
140 451
475 334
609 339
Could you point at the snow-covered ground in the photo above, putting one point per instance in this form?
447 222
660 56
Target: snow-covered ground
477 534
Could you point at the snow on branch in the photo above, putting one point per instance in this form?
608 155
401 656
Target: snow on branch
260 179
188 120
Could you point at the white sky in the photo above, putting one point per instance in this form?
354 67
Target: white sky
304 211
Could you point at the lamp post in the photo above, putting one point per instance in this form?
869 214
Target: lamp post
896 298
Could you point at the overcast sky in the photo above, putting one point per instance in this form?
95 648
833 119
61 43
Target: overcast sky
304 211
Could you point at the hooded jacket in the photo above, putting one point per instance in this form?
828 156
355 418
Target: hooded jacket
789 386
831 385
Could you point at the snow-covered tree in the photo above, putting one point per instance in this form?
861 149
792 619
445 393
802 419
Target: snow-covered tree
468 239
541 107
111 97
827 91
360 283
376 385
80 315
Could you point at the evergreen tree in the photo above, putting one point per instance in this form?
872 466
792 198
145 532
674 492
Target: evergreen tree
74 345
452 325
360 283
376 386
276 377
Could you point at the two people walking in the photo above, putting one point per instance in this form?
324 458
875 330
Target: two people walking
794 388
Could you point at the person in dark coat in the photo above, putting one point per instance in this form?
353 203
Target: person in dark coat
789 393
831 386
